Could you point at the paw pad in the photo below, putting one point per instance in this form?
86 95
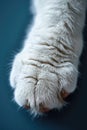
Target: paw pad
43 109
27 106
64 94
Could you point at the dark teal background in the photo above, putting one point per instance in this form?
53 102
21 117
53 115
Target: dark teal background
14 19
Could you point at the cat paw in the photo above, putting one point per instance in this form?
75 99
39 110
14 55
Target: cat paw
39 84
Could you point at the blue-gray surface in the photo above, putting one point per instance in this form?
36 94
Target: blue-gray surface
14 18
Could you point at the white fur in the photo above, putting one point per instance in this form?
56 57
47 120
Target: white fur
49 59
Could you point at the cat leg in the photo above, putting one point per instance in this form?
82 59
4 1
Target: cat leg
46 69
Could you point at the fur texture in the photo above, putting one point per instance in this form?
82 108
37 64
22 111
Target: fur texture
49 60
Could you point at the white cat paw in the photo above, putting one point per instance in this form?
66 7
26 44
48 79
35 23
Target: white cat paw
41 85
